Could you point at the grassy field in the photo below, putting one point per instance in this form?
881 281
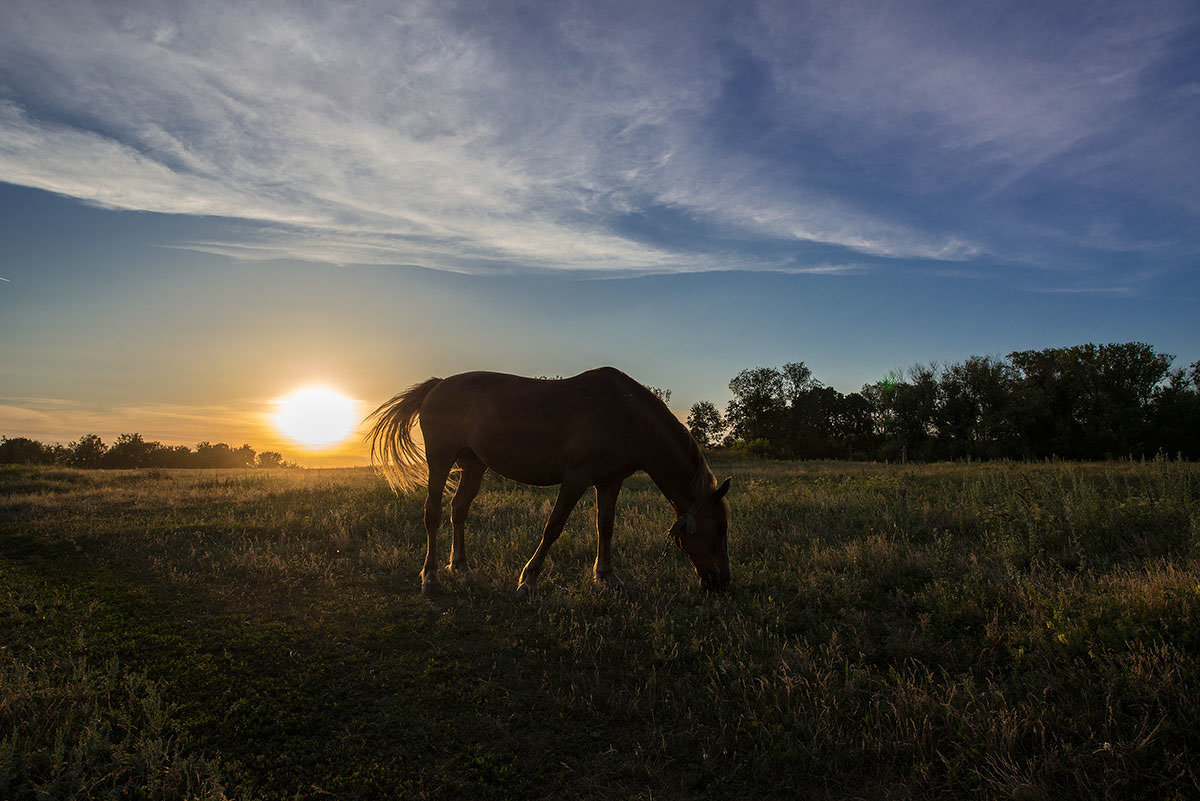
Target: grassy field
1020 631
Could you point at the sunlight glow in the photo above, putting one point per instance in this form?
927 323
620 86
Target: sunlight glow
316 416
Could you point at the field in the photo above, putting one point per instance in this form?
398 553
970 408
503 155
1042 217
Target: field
1020 631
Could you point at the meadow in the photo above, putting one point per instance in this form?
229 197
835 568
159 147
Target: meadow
1012 630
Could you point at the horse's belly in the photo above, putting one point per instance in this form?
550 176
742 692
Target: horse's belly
525 476
524 463
522 473
539 443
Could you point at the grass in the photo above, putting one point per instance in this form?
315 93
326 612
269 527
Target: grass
1019 631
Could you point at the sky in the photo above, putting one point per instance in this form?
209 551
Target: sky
204 206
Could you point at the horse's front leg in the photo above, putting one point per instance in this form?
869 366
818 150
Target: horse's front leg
568 495
606 509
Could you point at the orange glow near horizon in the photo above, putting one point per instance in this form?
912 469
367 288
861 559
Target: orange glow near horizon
316 416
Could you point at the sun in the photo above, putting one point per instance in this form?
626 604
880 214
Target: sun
316 416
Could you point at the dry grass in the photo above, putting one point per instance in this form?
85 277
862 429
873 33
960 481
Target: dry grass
1014 630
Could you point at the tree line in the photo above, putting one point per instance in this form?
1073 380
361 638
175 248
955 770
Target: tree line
1082 402
131 451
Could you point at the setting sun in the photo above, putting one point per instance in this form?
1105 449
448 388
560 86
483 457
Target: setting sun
316 416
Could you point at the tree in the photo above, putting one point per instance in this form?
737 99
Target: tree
177 456
854 426
244 456
87 451
974 415
270 459
812 416
1175 417
807 425
663 395
1088 401
916 406
221 455
22 450
705 424
131 451
756 410
905 411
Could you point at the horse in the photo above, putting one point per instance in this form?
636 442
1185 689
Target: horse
591 430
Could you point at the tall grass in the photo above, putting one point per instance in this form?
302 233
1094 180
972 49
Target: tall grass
74 730
1005 629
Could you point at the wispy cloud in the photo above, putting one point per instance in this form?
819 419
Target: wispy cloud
476 139
59 420
1086 290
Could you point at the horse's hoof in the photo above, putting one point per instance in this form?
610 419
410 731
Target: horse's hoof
431 588
460 570
525 591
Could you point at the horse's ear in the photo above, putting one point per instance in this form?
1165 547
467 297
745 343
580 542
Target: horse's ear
720 491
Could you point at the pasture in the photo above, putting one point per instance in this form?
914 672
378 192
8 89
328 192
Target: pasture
1020 631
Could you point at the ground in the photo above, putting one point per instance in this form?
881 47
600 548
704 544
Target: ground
1020 630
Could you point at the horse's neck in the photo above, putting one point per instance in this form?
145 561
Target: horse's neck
674 469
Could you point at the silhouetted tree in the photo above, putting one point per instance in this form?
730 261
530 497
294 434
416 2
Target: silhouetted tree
1087 401
756 410
1175 417
807 430
854 426
221 455
178 456
131 451
87 451
904 411
270 459
974 414
878 398
22 450
797 379
705 424
663 395
916 407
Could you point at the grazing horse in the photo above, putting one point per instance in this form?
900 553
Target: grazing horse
592 430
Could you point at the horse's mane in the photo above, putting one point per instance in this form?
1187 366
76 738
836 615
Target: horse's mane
704 481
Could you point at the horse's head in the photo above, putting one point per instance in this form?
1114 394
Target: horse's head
702 532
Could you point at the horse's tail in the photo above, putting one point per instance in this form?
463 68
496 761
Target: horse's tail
397 457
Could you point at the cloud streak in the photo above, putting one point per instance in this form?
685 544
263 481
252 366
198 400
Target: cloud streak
481 140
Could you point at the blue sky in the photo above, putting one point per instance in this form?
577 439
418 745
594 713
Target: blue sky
205 205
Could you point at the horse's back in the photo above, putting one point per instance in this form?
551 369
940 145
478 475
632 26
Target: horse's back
535 430
587 393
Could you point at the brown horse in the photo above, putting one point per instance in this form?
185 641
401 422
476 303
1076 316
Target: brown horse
593 430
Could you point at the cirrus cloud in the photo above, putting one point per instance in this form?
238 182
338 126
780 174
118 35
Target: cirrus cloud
472 138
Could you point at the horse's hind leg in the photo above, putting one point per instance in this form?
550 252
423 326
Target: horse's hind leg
468 488
439 469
